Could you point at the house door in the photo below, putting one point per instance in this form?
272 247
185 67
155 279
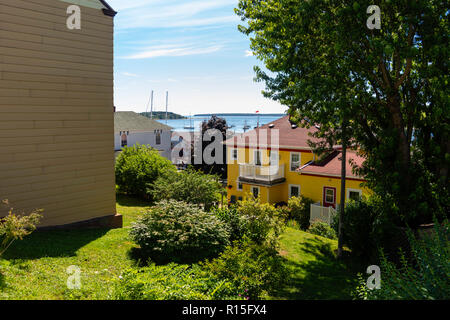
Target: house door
329 197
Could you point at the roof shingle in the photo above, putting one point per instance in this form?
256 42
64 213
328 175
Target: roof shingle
131 121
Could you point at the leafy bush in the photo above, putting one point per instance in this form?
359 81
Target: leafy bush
322 229
425 276
262 223
235 221
171 282
255 270
299 209
16 227
190 186
138 167
178 231
366 227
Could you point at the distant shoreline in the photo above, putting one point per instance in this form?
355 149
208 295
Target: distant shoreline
240 114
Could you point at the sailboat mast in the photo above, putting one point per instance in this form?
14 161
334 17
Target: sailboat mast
167 105
151 110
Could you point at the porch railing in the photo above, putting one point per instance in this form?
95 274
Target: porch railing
261 173
324 214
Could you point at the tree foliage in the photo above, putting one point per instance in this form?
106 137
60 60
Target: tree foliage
16 226
191 186
137 169
219 168
391 85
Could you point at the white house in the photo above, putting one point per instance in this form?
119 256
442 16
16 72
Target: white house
131 128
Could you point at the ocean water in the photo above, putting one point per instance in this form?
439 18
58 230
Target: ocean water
236 122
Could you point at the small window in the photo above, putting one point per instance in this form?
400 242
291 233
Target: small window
158 137
234 154
354 194
294 191
255 192
274 158
240 186
257 158
233 199
124 140
239 198
295 160
329 195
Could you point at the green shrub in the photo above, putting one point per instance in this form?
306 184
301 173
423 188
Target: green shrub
423 277
366 227
178 231
255 270
261 222
299 209
171 282
16 227
137 169
237 224
190 186
322 229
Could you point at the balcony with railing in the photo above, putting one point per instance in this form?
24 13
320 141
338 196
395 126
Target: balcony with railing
264 175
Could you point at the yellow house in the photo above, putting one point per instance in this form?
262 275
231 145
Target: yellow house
275 162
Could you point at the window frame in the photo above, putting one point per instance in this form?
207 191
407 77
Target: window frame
255 157
290 190
349 190
232 150
272 153
299 160
257 188
237 186
158 137
326 203
122 140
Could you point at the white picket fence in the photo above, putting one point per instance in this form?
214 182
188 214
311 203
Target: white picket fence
324 214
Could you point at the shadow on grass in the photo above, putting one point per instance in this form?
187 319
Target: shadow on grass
143 259
61 243
324 278
127 201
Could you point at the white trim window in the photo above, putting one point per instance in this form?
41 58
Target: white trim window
294 190
274 157
239 186
234 154
255 191
295 161
257 157
354 194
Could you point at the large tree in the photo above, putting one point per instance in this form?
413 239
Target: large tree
391 84
211 144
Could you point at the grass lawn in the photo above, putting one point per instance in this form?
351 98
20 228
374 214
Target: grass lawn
35 268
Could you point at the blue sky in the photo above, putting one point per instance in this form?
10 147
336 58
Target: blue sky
192 49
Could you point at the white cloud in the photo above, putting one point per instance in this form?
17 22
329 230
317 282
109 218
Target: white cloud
175 13
171 51
128 74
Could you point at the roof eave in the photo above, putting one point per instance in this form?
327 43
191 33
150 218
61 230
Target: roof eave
109 11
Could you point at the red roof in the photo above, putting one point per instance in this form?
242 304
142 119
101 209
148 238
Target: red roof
331 165
290 136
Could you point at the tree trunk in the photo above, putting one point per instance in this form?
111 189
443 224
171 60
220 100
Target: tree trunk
342 205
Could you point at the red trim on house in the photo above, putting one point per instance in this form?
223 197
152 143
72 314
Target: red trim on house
327 204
